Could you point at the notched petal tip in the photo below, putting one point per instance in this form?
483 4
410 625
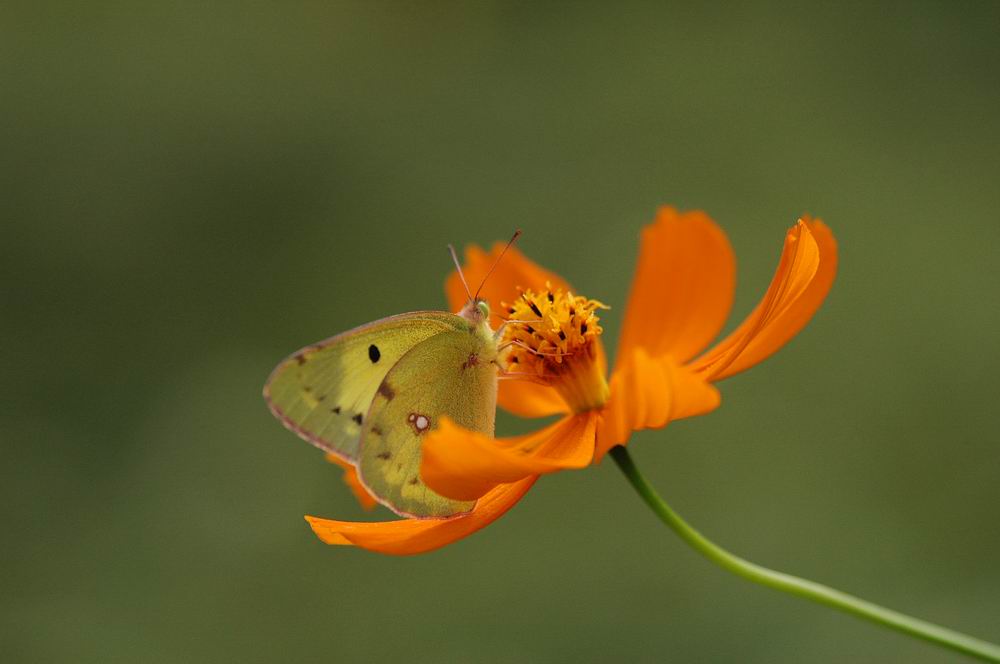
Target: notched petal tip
327 533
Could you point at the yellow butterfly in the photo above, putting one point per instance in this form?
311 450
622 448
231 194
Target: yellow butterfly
370 394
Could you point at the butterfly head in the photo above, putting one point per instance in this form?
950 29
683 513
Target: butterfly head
477 310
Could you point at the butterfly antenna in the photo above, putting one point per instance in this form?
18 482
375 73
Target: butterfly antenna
516 235
458 266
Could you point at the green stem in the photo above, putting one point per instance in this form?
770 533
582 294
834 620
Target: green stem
793 584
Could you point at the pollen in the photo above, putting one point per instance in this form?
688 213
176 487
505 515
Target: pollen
551 337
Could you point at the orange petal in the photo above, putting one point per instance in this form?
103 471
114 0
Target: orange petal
683 286
463 465
410 536
513 272
526 399
805 273
352 481
648 393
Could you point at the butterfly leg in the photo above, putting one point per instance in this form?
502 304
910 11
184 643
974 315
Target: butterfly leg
521 344
498 335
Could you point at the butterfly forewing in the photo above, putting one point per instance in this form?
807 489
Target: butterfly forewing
324 391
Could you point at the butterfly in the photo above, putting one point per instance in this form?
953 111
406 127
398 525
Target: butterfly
370 395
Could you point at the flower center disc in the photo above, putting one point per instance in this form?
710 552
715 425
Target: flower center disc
552 337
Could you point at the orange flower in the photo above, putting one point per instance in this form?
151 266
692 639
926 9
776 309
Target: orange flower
681 296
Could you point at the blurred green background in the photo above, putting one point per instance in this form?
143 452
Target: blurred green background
190 191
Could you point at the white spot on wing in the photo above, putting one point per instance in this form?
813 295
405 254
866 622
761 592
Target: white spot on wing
420 423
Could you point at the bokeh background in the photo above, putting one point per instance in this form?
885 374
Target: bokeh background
190 191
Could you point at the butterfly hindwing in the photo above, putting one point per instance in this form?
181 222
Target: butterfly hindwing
451 374
324 391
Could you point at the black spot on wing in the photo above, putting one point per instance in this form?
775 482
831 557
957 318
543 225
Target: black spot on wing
374 353
335 410
385 389
357 418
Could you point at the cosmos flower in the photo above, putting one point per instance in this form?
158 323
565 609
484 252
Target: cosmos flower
680 298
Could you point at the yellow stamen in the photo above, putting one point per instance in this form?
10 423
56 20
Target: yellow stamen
553 338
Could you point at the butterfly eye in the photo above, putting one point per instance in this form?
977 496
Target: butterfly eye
484 308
